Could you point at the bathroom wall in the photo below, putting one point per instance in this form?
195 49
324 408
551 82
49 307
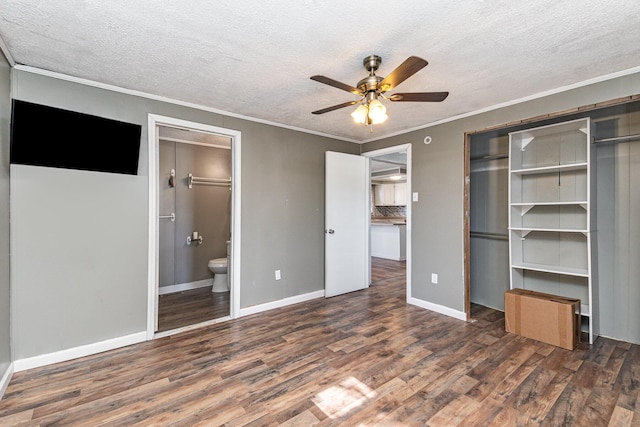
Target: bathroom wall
166 206
202 208
87 233
5 115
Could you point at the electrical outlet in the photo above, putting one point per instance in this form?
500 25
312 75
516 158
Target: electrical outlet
434 278
278 277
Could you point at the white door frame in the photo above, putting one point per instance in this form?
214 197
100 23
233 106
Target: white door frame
397 149
234 270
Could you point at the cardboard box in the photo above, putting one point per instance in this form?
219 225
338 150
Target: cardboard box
548 318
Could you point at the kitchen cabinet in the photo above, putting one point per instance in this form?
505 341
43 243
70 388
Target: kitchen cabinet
388 241
400 193
390 194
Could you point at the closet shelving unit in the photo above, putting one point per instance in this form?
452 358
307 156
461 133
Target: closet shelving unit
551 215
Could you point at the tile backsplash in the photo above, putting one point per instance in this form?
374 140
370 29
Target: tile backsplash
392 211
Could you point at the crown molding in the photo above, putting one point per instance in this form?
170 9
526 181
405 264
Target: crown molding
114 88
538 95
118 89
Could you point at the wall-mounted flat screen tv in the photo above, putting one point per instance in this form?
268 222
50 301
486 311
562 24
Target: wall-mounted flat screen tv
52 137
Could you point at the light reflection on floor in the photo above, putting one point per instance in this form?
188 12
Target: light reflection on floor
339 399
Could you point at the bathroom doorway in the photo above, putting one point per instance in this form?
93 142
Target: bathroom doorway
390 210
195 192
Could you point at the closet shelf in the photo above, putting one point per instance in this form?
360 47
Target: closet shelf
556 269
573 202
557 230
551 169
529 204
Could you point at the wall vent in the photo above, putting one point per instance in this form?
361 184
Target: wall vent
386 173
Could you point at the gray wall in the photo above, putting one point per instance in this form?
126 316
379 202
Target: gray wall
100 292
5 115
282 210
438 177
79 241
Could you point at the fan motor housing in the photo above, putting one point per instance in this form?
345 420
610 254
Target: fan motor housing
369 84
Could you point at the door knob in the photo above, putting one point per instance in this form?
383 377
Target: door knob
330 231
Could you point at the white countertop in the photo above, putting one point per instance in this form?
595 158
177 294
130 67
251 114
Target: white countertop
378 221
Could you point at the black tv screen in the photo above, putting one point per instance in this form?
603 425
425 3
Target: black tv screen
52 137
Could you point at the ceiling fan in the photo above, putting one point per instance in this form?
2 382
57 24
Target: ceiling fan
371 110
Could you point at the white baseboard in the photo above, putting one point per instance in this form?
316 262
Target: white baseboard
4 382
460 315
280 303
172 289
76 352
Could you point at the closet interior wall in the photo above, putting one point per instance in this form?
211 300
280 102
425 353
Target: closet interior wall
488 219
618 222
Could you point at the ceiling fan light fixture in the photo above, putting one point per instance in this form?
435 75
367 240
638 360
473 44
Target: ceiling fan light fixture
377 112
372 111
379 119
360 114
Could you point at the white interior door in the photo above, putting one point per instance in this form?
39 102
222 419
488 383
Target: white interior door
347 220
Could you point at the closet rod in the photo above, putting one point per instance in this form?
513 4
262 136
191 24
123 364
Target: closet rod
617 139
483 234
492 157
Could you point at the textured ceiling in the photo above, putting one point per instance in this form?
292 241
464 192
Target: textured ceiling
255 58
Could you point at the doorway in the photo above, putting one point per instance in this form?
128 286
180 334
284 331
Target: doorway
194 224
390 211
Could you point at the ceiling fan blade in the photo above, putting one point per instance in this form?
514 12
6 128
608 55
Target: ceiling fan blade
339 85
408 68
335 107
419 96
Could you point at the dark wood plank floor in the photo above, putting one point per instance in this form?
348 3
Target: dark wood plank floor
191 307
361 359
384 269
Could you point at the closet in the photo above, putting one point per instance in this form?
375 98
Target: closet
577 219
488 219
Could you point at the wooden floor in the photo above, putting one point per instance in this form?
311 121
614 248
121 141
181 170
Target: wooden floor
195 306
361 359
191 307
384 269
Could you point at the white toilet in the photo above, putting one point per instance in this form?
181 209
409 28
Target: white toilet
219 267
